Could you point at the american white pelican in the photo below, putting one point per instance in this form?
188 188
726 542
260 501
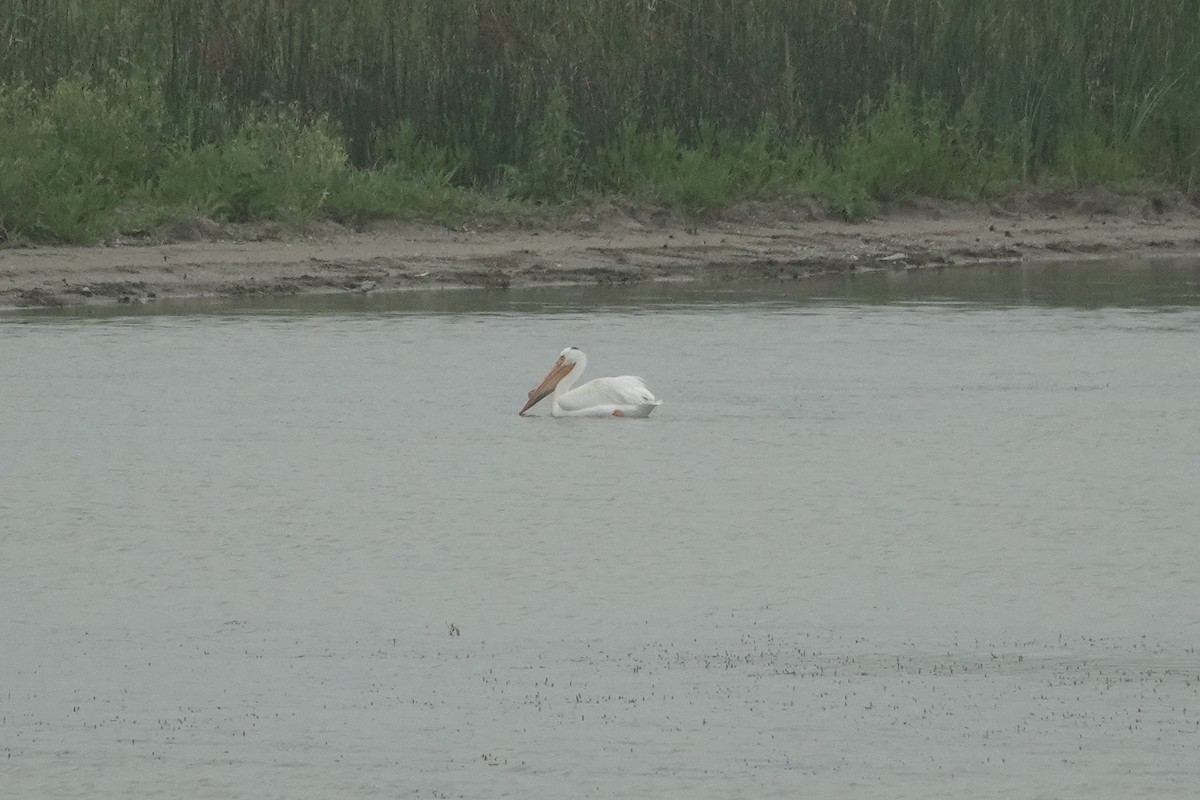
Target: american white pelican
625 396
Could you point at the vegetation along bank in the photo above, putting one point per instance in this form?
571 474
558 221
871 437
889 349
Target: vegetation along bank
122 117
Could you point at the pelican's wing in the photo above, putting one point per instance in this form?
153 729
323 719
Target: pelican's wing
606 395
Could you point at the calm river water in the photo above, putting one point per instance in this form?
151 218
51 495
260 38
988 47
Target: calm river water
912 535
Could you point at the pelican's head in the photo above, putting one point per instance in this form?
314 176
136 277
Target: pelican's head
569 359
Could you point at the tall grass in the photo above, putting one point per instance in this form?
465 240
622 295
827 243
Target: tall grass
683 100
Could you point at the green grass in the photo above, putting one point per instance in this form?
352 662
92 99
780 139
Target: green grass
117 113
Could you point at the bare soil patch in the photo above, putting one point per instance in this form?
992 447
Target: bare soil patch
606 244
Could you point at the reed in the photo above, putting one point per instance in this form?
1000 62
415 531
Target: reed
544 99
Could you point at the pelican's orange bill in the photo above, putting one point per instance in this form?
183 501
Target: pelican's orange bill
556 374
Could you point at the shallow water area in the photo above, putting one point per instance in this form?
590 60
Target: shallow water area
909 534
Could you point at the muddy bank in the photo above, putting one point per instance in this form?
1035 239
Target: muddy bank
607 244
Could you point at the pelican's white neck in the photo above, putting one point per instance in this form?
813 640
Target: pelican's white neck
570 379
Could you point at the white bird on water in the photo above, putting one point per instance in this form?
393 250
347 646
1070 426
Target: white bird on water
626 396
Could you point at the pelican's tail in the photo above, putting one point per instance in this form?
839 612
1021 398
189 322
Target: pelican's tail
643 410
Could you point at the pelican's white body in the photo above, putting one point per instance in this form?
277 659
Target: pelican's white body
603 397
626 396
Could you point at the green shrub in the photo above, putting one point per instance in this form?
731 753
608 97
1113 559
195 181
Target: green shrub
276 166
68 158
552 169
1084 159
718 169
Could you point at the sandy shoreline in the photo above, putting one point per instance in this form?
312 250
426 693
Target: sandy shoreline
605 245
